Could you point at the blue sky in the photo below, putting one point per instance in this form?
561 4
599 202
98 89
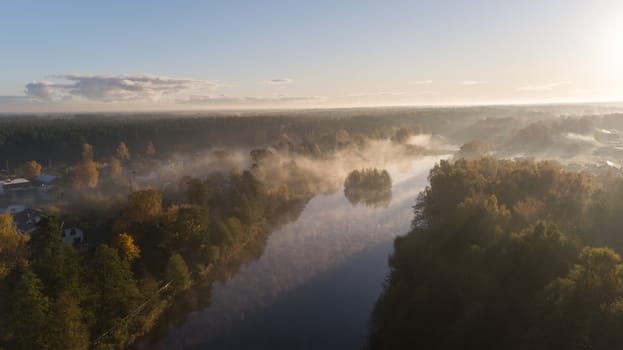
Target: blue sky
118 55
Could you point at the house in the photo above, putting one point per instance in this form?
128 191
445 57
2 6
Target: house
26 220
14 209
73 236
45 180
14 185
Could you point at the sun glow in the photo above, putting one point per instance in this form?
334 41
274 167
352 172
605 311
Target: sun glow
613 43
617 44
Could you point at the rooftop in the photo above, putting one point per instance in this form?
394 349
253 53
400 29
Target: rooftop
45 178
14 181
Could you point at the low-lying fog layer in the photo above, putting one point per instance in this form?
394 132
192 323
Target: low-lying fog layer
591 140
332 169
329 233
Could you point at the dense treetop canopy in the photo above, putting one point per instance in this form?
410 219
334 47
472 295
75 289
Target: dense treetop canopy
507 255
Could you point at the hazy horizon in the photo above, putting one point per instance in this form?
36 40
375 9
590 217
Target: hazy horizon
164 56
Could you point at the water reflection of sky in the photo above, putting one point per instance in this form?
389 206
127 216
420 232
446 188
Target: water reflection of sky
317 280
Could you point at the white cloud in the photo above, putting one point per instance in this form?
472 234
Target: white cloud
545 87
279 81
421 82
471 82
114 88
40 90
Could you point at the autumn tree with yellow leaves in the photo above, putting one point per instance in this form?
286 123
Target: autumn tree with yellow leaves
31 169
12 244
151 149
115 167
123 152
128 250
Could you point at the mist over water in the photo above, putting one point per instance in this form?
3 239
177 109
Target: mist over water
285 230
316 283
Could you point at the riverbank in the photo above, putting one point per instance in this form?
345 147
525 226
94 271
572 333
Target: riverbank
316 281
251 248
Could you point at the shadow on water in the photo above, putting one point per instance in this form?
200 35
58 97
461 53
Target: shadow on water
371 198
330 311
199 297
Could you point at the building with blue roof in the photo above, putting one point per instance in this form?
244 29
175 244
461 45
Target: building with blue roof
45 179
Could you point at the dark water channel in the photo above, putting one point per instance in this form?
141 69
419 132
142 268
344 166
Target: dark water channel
315 285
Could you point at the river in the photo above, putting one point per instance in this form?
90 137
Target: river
315 284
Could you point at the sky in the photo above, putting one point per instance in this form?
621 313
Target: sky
67 56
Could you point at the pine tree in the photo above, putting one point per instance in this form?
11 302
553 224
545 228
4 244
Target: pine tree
67 327
28 310
112 290
54 262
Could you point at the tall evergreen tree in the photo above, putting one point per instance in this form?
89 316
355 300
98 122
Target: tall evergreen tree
55 263
27 315
67 328
113 293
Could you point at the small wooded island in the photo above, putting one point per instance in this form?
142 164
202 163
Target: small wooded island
371 187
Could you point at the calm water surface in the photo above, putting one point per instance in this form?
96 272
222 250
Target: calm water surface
316 283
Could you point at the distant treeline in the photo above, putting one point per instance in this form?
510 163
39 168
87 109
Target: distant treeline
57 140
507 255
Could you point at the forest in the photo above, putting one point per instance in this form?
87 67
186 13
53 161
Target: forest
546 131
320 174
507 255
506 250
106 296
160 225
50 139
